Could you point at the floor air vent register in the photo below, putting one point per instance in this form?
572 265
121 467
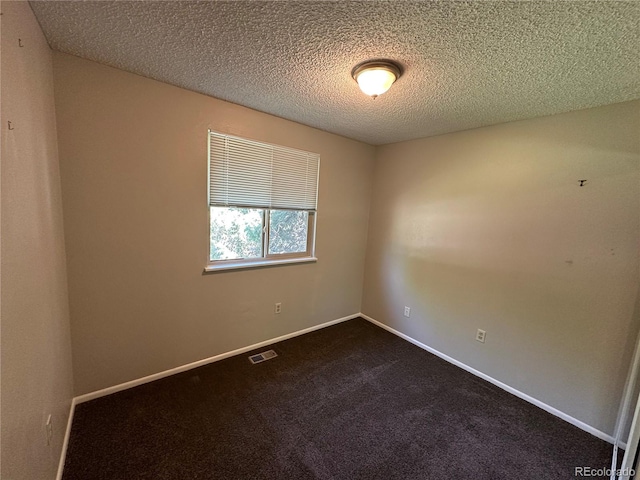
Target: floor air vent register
262 357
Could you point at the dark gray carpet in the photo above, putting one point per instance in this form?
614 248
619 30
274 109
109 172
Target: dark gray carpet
347 402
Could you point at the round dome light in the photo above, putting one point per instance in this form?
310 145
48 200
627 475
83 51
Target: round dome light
376 77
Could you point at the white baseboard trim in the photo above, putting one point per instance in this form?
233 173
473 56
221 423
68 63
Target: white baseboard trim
156 376
150 378
65 442
548 408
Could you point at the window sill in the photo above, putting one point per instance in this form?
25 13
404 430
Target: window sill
220 267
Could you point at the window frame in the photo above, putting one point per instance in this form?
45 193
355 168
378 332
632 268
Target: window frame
266 259
309 252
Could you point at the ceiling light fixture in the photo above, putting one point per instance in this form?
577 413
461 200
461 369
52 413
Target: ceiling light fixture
376 77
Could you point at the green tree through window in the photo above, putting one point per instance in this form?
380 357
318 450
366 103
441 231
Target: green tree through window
288 231
238 233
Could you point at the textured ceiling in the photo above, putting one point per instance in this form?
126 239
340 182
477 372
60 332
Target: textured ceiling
467 64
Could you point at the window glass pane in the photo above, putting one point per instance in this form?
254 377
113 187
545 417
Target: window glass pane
288 231
235 233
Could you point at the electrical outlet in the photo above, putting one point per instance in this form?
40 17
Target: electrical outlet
480 335
49 429
278 308
407 312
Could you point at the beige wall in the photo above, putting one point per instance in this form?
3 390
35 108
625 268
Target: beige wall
133 155
36 347
489 229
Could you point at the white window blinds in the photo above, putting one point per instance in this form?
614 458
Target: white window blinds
244 173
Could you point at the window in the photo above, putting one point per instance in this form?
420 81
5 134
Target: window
262 203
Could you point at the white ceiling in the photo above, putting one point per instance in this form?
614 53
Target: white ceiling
467 64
